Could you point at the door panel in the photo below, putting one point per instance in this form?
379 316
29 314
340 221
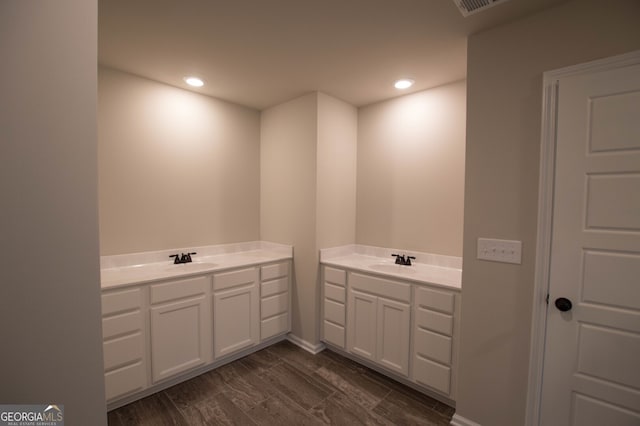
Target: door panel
393 335
591 374
592 412
178 337
361 330
236 323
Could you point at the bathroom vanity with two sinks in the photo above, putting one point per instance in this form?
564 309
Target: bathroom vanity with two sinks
164 323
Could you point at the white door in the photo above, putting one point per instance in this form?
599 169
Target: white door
361 325
592 353
393 335
236 323
178 337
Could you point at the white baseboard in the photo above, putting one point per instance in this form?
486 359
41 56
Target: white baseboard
458 420
309 347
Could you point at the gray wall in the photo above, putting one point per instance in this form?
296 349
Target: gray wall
504 99
49 263
411 171
177 168
308 175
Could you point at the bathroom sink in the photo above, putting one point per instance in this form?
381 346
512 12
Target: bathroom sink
392 268
192 266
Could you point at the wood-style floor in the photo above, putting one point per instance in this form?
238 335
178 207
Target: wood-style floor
285 385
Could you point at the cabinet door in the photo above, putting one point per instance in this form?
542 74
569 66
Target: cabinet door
236 322
393 335
179 336
361 327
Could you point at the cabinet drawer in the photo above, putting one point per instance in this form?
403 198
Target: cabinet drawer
274 305
432 374
121 324
121 301
435 299
380 286
335 292
433 346
178 289
274 287
334 334
125 380
435 321
234 278
335 276
123 350
270 272
274 326
334 312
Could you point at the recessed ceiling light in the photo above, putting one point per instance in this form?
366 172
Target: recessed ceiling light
194 81
404 83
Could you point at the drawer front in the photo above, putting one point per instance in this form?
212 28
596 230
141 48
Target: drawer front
270 272
432 374
435 321
125 380
274 287
179 289
335 292
334 312
234 278
433 346
274 305
335 276
442 301
123 350
380 286
274 326
334 334
121 301
121 324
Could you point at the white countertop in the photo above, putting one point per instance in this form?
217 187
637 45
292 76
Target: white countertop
140 268
436 270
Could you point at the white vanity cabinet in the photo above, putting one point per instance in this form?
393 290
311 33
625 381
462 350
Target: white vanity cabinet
333 306
236 312
379 321
408 329
162 331
124 337
275 298
435 334
180 326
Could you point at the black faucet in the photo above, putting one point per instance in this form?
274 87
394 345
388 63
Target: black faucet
185 258
401 260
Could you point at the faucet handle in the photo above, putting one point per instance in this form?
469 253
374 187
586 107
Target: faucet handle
399 259
408 262
177 258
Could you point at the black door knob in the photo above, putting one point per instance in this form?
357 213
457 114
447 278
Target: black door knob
563 304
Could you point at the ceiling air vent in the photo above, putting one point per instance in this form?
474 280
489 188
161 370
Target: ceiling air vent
469 7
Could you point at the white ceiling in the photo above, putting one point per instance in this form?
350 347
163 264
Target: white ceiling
262 52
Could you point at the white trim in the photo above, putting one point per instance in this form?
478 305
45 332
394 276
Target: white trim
458 420
545 218
309 347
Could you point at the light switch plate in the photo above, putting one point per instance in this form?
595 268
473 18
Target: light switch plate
506 251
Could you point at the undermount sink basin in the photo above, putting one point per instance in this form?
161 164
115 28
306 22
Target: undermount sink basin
193 266
392 268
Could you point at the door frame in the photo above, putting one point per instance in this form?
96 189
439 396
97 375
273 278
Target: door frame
546 185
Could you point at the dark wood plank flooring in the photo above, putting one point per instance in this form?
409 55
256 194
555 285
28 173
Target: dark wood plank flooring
285 385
